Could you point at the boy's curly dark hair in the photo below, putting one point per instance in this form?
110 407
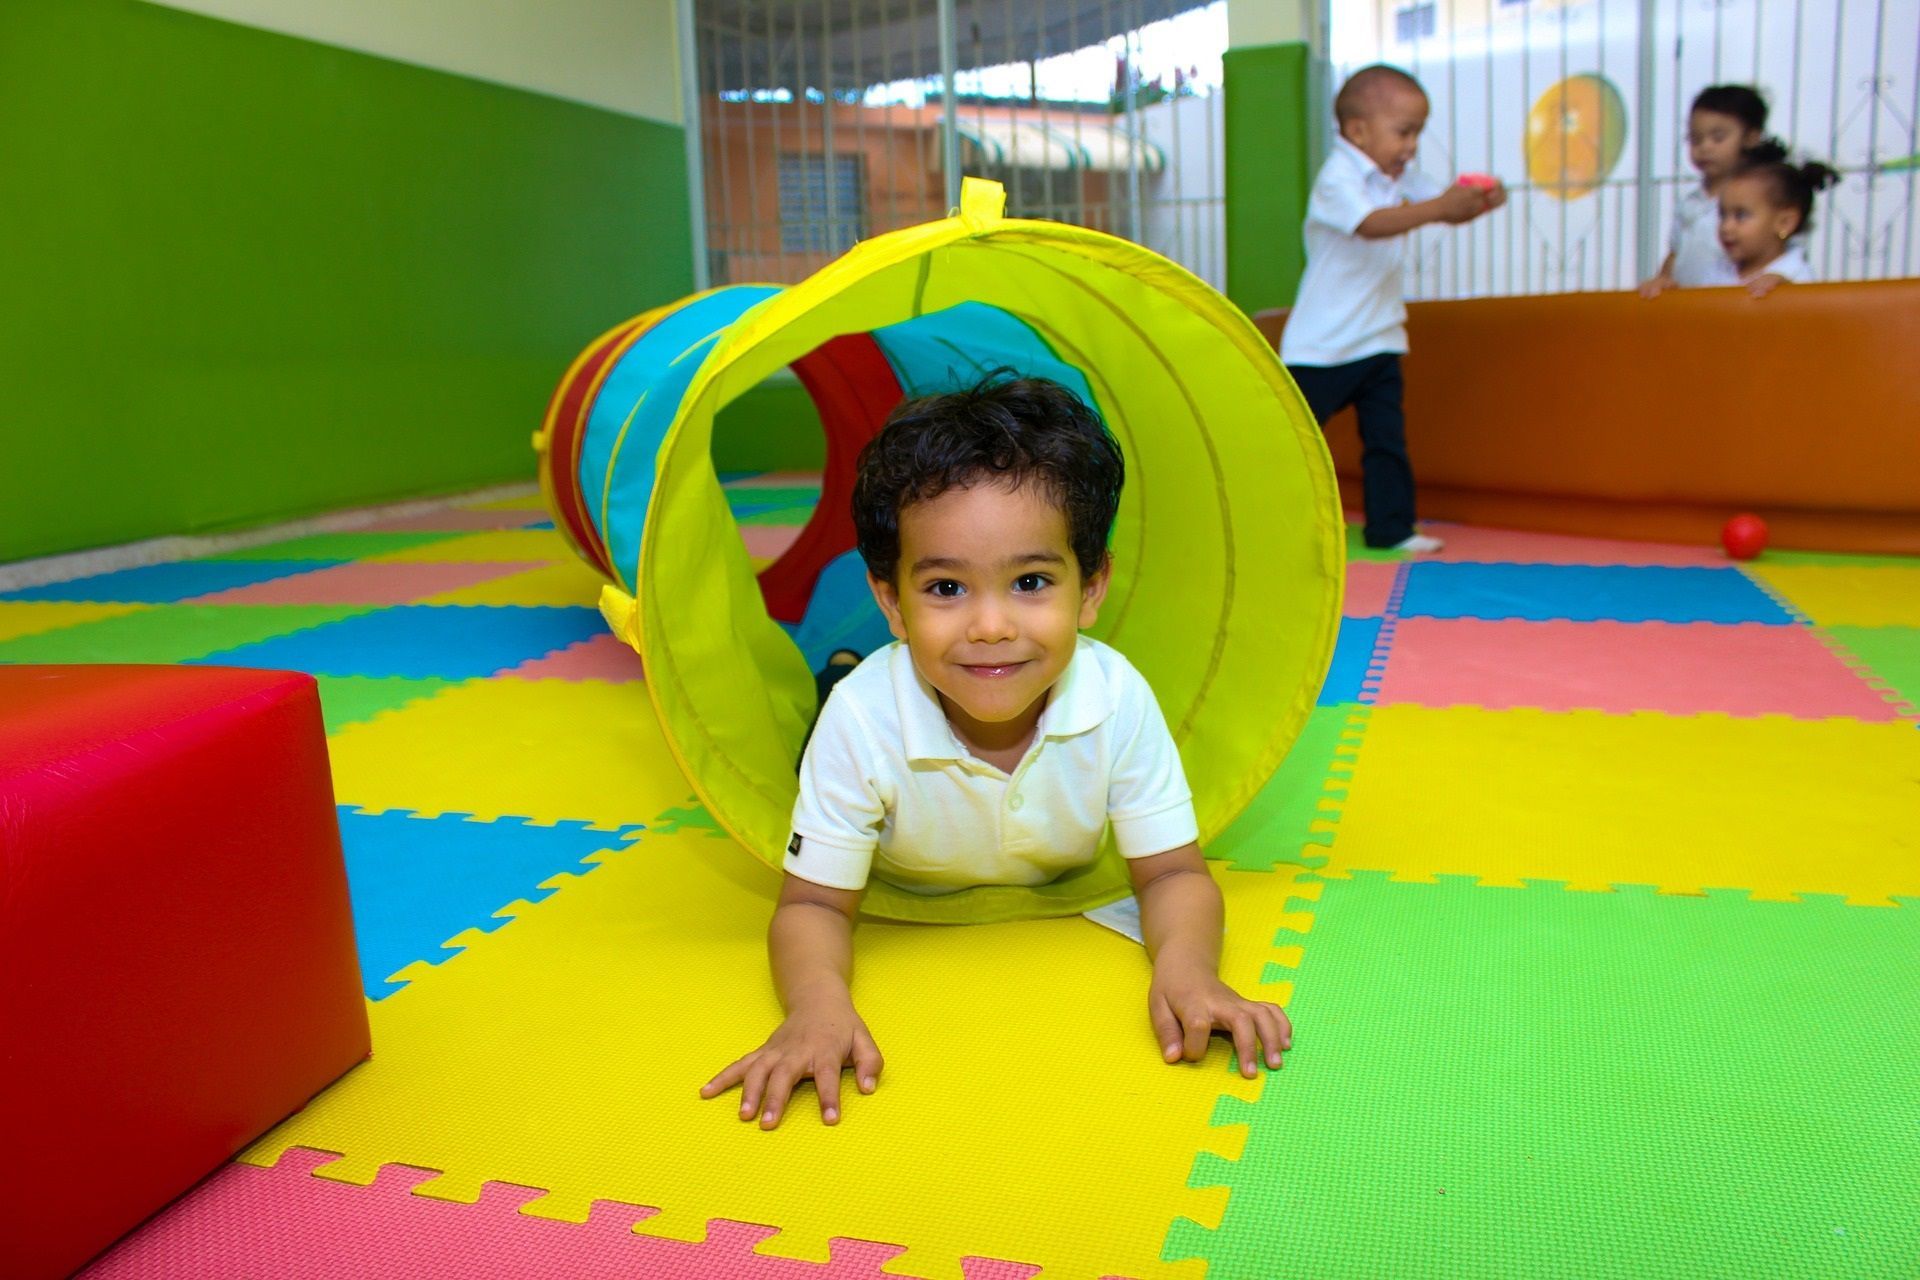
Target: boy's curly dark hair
1007 429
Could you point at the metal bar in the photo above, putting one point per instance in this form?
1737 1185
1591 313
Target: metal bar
831 165
1913 171
690 125
1646 210
721 146
779 155
949 128
749 112
1833 145
1564 248
1136 142
1873 141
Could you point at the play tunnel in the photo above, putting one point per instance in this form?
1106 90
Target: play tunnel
1228 550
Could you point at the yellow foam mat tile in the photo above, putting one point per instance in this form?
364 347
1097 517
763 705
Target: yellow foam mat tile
31 617
564 582
497 546
548 750
1847 596
1776 806
1023 1114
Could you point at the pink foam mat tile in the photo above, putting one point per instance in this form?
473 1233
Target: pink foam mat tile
455 520
769 541
288 1223
602 657
365 582
1748 669
1519 546
1369 587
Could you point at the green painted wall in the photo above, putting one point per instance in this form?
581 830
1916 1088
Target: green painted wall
250 277
773 427
1269 171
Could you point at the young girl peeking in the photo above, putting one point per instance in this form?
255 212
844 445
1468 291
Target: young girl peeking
1763 207
1726 129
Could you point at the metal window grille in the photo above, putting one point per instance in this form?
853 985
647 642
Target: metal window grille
824 121
810 182
1415 21
1580 107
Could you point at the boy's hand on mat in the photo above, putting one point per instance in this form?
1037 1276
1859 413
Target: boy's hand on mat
1188 1006
811 1043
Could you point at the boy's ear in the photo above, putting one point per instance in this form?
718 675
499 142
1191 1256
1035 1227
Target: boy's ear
887 596
1093 591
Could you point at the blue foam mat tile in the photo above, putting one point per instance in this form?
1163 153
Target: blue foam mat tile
167 583
1352 655
452 642
417 882
1587 593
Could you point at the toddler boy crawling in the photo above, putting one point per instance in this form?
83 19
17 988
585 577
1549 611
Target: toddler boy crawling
992 743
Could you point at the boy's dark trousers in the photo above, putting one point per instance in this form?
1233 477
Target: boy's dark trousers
1372 386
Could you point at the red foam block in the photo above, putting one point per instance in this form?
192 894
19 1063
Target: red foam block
177 967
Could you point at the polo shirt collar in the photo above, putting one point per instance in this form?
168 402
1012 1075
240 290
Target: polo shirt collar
1080 701
1361 161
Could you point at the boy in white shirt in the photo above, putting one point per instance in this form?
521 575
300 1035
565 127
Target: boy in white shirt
1348 329
993 743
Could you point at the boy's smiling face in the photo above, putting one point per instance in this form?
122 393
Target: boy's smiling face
1388 130
990 601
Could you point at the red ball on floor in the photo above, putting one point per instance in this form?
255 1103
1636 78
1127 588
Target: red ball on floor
1744 536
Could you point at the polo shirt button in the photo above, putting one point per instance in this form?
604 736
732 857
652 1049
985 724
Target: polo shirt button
1014 802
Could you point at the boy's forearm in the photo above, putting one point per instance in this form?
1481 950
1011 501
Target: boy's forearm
1181 919
810 947
1397 220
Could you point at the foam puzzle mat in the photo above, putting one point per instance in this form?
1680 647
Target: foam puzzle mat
1592 887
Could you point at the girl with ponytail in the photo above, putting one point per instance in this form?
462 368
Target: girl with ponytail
1763 207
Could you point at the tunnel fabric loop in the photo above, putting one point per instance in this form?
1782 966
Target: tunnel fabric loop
1228 551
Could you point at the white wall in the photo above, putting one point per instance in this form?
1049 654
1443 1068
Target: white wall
1257 22
618 54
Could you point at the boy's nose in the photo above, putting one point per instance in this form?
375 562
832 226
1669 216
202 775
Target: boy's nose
989 623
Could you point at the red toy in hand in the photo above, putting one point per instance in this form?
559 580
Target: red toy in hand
1478 181
1744 536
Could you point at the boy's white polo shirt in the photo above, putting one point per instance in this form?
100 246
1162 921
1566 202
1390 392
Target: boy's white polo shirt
1351 303
886 788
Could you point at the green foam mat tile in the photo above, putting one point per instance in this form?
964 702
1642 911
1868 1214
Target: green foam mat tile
1357 548
1853 559
346 700
1889 655
339 546
1291 819
1538 1082
777 516
173 633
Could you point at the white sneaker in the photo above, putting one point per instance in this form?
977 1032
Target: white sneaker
1419 544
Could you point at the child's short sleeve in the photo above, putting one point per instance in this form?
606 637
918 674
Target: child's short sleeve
1148 800
837 818
1338 201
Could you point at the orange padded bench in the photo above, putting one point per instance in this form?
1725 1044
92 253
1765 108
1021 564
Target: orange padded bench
1603 413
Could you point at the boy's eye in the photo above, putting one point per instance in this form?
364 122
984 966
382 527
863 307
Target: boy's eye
1031 582
945 588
